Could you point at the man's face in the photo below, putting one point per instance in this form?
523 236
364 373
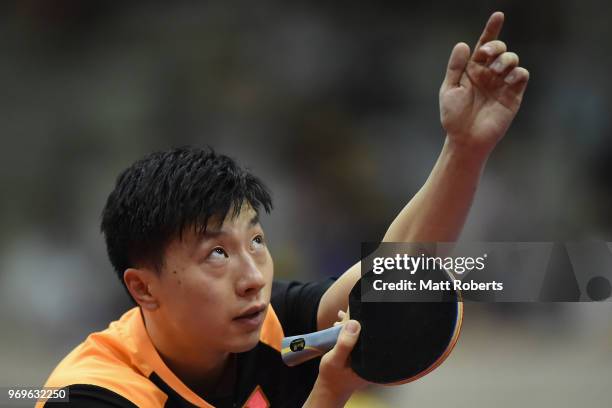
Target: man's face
214 289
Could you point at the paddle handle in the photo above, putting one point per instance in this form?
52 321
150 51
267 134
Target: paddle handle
297 349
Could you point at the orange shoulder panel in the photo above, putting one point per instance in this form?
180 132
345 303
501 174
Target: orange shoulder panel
104 359
272 331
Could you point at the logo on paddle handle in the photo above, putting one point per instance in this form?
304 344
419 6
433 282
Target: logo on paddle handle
297 345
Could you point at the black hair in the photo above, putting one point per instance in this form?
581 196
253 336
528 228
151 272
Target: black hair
159 196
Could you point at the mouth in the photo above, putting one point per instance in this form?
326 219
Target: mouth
251 317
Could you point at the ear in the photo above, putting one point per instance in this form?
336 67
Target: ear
139 283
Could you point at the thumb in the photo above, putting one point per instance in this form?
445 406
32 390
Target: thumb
346 341
456 64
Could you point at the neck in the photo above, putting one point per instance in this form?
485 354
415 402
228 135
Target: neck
203 370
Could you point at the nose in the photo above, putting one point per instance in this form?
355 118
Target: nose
251 279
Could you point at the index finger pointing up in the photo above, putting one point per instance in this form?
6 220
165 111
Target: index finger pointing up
490 33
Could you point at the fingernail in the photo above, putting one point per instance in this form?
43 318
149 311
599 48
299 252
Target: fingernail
487 49
351 327
497 66
510 79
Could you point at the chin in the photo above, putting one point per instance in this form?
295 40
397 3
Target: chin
245 342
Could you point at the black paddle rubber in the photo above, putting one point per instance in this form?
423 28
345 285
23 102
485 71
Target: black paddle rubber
402 341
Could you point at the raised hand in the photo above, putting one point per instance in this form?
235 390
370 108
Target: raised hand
481 92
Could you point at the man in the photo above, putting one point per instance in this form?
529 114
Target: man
183 234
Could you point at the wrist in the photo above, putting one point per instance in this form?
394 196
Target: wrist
464 153
325 395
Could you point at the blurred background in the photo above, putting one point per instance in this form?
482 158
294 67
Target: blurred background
335 107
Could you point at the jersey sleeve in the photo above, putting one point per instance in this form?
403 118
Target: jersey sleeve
296 304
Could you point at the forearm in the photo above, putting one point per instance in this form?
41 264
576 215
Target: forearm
435 214
439 210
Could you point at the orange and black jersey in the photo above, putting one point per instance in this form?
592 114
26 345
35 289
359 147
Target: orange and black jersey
120 368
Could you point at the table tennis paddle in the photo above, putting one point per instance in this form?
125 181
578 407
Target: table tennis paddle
399 341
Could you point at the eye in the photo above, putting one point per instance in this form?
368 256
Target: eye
218 253
257 241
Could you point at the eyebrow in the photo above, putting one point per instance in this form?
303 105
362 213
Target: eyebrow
254 221
213 234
